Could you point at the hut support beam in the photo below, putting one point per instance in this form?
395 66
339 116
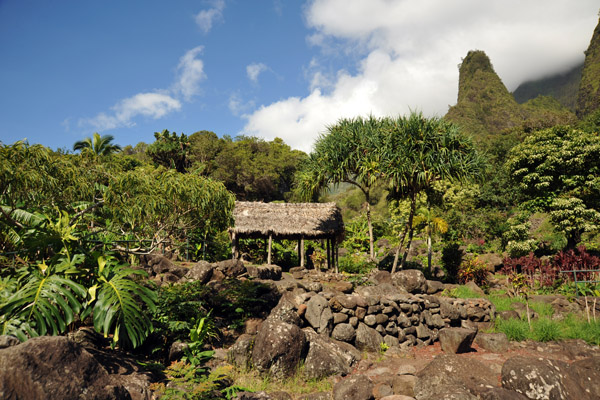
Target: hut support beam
270 245
234 246
336 257
301 251
328 240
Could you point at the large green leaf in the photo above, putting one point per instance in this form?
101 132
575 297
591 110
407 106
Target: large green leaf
119 305
45 305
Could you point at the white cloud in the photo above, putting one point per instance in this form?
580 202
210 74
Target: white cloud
155 104
206 18
152 105
254 70
409 53
190 72
238 106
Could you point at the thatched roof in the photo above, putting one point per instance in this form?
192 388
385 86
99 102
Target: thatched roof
287 220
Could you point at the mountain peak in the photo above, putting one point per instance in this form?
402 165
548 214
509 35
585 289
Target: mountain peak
485 107
588 98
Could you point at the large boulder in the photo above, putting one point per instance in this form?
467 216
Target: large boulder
240 354
539 378
587 374
496 342
451 372
231 268
355 387
55 368
201 271
367 338
412 280
456 340
319 315
327 356
272 272
286 310
278 348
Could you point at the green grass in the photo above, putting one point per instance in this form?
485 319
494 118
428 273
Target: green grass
546 329
504 303
515 329
579 328
461 292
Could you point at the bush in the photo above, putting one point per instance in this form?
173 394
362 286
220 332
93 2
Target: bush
577 259
538 272
473 270
357 263
452 257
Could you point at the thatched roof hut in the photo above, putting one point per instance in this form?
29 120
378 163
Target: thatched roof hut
288 220
293 221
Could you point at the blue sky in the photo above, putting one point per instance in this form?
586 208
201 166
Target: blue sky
263 67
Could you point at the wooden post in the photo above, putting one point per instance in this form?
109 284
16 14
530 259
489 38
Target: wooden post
270 244
301 251
234 247
328 240
336 254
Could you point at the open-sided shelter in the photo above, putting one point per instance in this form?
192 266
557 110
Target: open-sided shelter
293 221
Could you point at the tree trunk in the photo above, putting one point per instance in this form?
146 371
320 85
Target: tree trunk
413 206
411 230
371 239
429 250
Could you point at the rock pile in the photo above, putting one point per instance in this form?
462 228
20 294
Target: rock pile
386 314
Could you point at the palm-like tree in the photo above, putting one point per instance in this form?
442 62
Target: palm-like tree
346 153
430 223
416 153
99 145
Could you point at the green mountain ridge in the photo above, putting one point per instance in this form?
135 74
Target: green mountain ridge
563 86
588 98
485 107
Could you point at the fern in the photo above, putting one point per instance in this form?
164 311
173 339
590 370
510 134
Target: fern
118 307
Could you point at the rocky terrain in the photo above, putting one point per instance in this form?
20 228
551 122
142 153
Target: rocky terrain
394 338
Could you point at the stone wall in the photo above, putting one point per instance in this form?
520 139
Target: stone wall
375 314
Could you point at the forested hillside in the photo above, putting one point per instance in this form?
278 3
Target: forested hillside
564 87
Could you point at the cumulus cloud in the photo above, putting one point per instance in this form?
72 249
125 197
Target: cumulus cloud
254 70
155 104
152 105
409 51
206 18
190 72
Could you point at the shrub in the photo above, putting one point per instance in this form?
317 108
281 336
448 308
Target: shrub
452 257
577 259
538 272
474 270
356 263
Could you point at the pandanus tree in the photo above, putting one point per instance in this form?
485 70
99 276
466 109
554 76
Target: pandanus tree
415 153
348 153
99 145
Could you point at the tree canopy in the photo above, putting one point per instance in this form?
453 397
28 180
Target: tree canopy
98 145
418 152
558 171
347 152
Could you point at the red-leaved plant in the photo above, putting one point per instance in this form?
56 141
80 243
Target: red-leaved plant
577 259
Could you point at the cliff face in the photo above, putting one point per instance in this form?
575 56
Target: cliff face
485 107
588 98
